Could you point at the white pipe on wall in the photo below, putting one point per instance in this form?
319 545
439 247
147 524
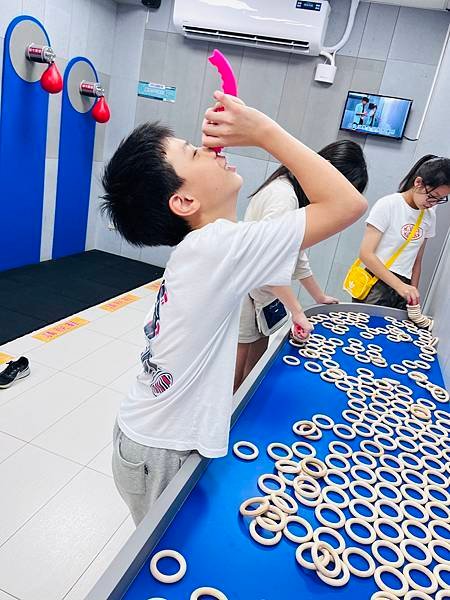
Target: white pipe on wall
351 21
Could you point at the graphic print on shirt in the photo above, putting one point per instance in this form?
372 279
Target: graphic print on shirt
161 380
406 230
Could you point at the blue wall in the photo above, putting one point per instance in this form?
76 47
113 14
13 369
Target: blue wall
76 149
23 134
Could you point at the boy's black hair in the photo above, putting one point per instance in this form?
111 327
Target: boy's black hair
346 156
138 182
365 99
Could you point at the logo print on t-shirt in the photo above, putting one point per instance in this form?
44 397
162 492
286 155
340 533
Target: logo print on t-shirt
161 380
406 230
151 330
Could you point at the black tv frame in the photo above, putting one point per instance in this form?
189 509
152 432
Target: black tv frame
389 137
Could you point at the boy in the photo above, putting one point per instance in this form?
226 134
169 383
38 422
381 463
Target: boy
162 190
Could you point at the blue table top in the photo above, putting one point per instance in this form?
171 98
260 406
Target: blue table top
208 529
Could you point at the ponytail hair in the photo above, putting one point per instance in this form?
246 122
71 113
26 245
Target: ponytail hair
433 170
346 156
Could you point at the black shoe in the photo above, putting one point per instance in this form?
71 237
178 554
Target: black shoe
16 369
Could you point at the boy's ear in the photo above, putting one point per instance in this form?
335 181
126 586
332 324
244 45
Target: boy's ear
183 206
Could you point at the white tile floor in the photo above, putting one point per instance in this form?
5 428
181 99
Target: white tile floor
61 519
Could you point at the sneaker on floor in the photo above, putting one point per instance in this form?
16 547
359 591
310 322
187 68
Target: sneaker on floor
16 369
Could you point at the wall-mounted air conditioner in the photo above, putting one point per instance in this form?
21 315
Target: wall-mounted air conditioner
288 25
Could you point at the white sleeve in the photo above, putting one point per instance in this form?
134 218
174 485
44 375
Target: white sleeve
265 252
302 268
380 215
274 200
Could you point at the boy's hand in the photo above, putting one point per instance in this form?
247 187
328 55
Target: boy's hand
236 125
301 327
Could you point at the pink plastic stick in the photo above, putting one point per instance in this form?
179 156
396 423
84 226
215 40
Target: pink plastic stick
229 83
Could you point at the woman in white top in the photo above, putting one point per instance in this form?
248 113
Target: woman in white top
279 194
388 225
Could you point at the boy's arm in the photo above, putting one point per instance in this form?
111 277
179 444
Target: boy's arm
290 301
334 202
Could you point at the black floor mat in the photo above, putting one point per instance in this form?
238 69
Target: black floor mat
37 295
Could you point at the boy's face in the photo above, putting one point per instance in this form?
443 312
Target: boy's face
210 183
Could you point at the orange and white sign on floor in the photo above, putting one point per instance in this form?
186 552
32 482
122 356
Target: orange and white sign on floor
154 285
4 358
117 303
55 331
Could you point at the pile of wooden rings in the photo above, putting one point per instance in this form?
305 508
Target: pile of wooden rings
387 491
415 315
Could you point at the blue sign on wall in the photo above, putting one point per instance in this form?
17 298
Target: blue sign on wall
157 91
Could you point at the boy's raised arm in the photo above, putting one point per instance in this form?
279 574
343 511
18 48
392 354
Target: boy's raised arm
335 203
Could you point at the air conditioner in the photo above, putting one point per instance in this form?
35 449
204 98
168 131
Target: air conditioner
290 25
432 4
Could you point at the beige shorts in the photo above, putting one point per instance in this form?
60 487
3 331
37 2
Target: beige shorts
248 328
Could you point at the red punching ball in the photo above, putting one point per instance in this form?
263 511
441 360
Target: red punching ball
51 80
101 112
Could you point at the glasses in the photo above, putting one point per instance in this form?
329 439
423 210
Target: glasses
435 200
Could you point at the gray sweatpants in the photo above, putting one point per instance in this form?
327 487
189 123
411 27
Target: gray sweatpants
141 473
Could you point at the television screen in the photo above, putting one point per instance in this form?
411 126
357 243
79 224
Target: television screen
376 115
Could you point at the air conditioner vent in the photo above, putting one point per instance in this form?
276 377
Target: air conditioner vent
237 37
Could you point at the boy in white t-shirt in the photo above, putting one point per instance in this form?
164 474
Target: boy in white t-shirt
160 190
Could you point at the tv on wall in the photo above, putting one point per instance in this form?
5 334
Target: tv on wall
371 114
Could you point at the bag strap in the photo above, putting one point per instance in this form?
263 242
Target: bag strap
397 253
412 233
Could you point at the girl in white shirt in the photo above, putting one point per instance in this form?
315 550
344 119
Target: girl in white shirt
279 194
388 225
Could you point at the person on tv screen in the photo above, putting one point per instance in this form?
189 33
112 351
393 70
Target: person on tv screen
360 111
372 121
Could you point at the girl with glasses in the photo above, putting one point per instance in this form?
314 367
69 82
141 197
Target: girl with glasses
389 224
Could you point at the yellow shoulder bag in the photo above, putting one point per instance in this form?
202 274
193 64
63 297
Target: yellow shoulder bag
358 282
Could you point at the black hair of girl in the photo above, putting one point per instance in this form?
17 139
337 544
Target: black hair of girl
434 171
346 156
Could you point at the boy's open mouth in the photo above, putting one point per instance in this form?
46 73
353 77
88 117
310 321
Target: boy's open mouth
224 164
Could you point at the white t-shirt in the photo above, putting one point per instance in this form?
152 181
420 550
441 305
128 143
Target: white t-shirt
395 218
182 399
276 199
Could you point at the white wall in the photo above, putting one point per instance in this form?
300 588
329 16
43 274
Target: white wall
126 60
438 306
382 55
437 259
